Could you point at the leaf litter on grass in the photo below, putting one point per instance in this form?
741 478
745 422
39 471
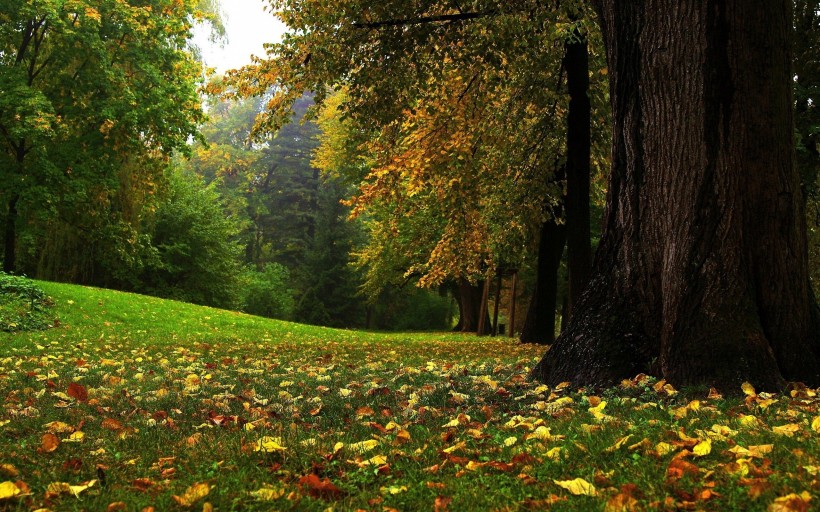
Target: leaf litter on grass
320 418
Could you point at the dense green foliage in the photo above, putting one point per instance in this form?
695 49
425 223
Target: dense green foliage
197 258
96 95
267 292
24 306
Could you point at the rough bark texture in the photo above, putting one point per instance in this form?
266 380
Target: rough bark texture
702 271
539 324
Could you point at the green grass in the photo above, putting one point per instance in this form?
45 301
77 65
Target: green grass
179 395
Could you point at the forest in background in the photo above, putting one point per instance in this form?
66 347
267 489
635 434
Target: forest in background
114 174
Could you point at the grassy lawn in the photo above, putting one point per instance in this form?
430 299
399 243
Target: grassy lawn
134 403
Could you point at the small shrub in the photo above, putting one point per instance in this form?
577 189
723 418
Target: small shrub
23 305
267 293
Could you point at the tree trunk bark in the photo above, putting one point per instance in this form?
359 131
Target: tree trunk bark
702 271
579 249
470 306
10 249
539 324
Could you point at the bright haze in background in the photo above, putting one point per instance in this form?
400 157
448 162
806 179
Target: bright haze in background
247 25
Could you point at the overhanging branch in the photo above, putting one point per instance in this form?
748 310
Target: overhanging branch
441 18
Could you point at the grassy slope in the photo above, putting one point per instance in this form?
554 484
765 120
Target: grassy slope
179 395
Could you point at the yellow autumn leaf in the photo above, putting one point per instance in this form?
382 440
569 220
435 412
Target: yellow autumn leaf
193 494
578 487
703 448
75 437
344 392
8 491
363 446
541 433
748 389
787 430
77 489
553 453
760 450
268 493
791 503
269 444
58 427
393 489
510 441
377 460
664 448
620 442
747 420
455 447
815 424
474 465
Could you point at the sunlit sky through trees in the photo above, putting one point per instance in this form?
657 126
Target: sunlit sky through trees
248 25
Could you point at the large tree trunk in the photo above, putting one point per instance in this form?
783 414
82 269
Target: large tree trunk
539 325
702 272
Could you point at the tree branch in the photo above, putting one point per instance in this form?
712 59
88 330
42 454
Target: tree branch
402 22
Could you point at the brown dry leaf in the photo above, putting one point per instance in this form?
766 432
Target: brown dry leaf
320 488
116 506
678 467
9 470
361 412
78 392
193 494
49 443
441 503
111 424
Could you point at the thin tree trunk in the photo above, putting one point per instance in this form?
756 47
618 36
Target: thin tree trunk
702 270
579 249
10 249
539 324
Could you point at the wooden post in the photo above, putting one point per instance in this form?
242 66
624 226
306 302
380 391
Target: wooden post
511 319
482 311
498 284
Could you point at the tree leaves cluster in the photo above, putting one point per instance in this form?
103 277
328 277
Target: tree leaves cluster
95 97
452 117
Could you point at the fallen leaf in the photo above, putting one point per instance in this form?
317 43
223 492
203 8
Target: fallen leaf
791 503
268 493
364 446
787 430
269 444
578 486
9 491
192 494
49 442
703 448
320 488
78 392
